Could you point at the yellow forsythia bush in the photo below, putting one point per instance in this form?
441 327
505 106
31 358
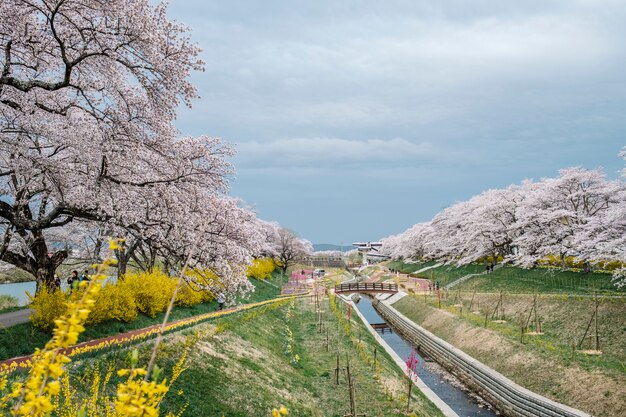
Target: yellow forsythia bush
187 296
49 306
261 268
148 293
113 302
152 291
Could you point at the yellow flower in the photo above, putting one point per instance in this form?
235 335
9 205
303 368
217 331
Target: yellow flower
282 411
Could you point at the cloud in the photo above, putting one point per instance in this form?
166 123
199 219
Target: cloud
306 152
431 100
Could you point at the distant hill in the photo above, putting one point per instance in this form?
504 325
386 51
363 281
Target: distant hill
329 246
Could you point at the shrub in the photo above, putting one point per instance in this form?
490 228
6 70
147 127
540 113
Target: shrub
48 306
113 302
148 293
151 291
8 301
188 296
261 268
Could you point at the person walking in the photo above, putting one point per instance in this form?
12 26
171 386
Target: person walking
221 299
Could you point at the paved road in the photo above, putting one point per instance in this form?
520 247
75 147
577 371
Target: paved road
15 317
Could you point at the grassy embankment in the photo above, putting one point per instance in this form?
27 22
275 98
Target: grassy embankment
547 363
15 275
8 303
516 280
244 370
551 363
22 339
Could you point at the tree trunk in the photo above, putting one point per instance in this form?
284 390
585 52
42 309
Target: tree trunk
152 261
123 255
166 266
46 269
122 263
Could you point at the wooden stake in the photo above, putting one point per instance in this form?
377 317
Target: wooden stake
408 399
351 391
597 332
593 316
327 339
350 388
375 351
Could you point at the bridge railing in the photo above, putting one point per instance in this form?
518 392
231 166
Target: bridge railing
366 287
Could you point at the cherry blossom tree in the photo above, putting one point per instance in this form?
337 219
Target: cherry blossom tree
556 209
289 248
580 213
88 94
414 243
603 237
489 224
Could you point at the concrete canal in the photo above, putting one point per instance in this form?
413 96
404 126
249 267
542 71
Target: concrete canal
446 386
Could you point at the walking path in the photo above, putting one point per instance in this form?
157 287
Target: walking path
466 277
437 265
375 277
15 317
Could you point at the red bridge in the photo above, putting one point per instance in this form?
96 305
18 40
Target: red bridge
366 287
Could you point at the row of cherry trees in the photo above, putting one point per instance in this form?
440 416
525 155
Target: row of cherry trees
88 148
578 214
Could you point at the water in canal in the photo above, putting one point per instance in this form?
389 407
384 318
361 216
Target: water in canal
464 403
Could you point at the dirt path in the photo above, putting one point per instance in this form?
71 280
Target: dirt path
376 276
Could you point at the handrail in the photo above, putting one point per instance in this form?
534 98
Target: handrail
366 287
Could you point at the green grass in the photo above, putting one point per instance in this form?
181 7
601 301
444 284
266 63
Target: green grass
22 339
409 268
542 280
517 280
245 372
443 274
10 309
563 322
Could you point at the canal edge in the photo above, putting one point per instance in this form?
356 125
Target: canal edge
503 394
430 394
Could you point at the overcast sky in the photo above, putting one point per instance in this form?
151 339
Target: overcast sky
354 120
